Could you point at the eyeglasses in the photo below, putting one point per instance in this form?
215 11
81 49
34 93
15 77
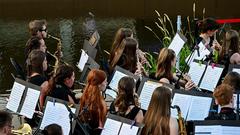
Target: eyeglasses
43 30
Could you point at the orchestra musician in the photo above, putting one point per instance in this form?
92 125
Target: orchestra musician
125 104
232 79
165 64
5 123
223 95
93 108
121 34
36 65
61 83
158 120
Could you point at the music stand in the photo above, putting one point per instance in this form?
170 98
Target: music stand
120 126
90 50
55 111
91 64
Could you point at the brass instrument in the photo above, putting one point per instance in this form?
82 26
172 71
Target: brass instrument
58 54
181 123
25 129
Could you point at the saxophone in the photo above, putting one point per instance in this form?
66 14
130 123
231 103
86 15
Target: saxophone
181 123
58 54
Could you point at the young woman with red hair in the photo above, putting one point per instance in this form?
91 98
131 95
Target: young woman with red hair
92 100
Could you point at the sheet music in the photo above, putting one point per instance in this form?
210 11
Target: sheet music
111 127
236 70
235 101
203 52
56 113
116 77
15 96
211 77
208 130
128 130
83 60
30 102
196 71
146 93
230 130
199 108
183 101
176 44
111 93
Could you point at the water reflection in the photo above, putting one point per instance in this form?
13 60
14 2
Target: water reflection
14 34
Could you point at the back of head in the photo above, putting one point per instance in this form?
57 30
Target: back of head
232 41
32 44
157 117
92 98
53 129
63 72
125 55
223 94
164 67
5 120
207 24
121 34
35 62
232 79
125 98
35 26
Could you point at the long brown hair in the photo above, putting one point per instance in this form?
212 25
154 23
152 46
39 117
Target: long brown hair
119 36
158 114
231 43
92 98
63 72
35 62
164 67
125 98
126 55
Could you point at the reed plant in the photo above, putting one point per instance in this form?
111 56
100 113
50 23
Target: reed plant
167 32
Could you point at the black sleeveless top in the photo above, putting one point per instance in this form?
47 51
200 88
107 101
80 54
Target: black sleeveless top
131 115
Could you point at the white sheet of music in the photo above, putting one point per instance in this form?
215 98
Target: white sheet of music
199 108
211 77
83 60
111 127
235 101
183 101
203 52
196 71
146 93
111 93
176 44
30 102
230 130
15 96
128 130
236 70
56 113
208 130
116 77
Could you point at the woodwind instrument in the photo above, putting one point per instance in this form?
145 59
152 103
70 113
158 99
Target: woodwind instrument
181 123
58 54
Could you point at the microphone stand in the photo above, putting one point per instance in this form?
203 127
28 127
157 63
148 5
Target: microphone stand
193 48
73 116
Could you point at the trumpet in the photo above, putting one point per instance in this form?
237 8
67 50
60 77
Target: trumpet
181 123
